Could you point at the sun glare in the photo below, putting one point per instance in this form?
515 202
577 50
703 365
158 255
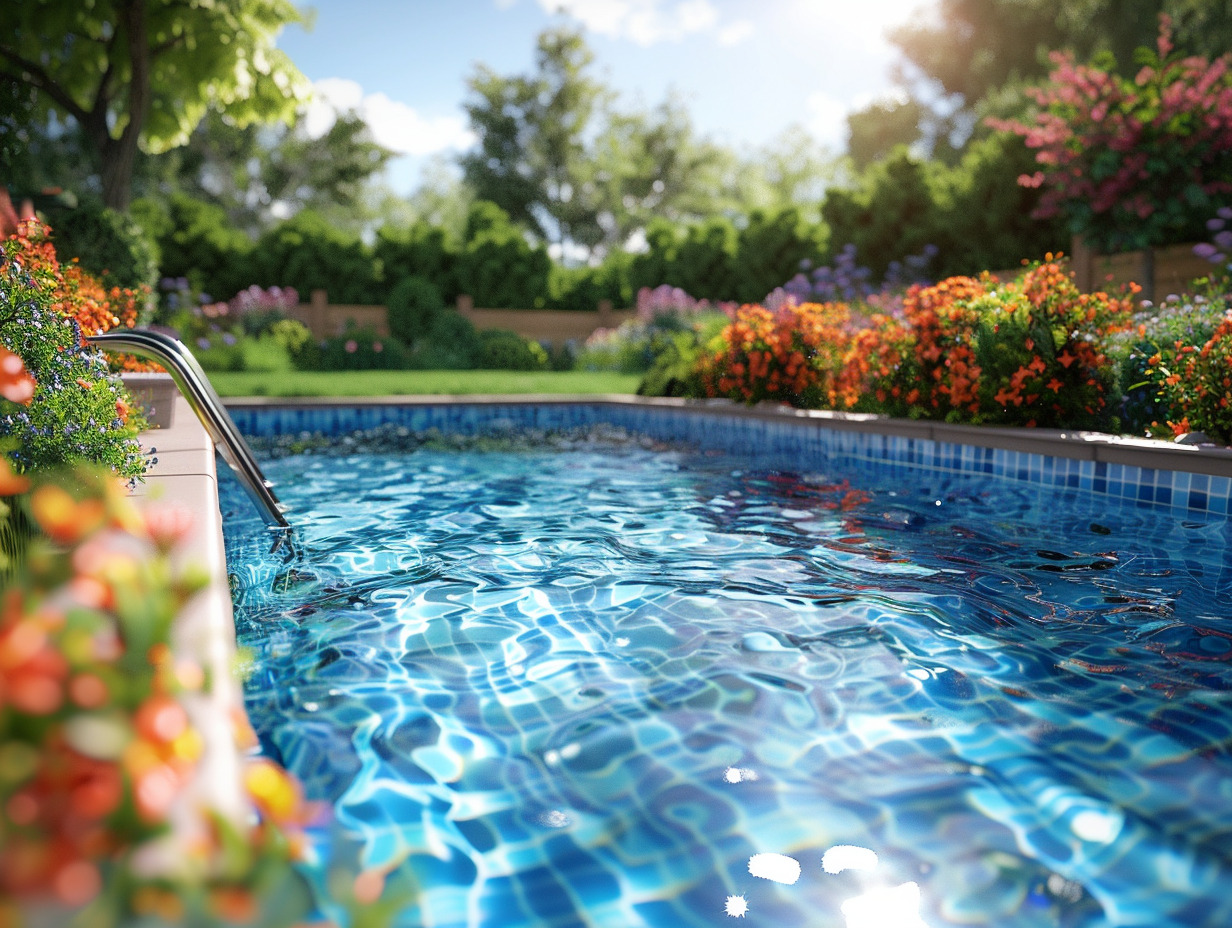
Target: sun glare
865 22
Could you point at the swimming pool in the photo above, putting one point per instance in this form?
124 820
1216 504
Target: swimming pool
580 677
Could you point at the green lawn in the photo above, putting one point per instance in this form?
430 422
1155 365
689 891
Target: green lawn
417 383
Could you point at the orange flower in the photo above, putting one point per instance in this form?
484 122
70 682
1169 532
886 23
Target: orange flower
10 483
63 518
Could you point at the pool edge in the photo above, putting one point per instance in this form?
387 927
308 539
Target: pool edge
1072 444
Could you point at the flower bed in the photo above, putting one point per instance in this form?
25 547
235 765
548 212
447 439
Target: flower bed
1033 351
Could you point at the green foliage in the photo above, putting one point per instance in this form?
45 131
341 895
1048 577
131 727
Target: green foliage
78 412
501 350
891 214
676 369
531 158
986 220
878 129
581 288
222 353
1193 378
420 250
497 266
108 244
453 344
413 308
195 241
309 253
361 350
770 249
145 73
974 212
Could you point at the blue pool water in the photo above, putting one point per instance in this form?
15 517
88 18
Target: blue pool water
597 684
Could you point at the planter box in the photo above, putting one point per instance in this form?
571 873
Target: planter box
155 394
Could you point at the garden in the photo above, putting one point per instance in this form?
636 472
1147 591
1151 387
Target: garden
96 748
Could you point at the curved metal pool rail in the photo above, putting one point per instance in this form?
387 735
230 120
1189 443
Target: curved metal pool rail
172 354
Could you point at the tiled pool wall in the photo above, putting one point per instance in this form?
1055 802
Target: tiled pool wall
787 441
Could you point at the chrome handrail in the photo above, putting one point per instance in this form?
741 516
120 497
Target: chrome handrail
172 354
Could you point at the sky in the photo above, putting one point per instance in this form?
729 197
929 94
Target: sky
747 70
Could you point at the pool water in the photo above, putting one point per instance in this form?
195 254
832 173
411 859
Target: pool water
612 685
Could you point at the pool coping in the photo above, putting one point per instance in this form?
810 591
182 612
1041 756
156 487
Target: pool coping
183 475
1072 444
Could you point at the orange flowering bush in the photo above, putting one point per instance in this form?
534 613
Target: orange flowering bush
1027 352
793 354
99 752
1196 380
74 293
925 359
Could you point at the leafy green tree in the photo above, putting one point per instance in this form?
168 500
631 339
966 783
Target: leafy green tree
497 266
650 164
769 252
196 241
256 173
973 47
986 219
419 250
531 159
791 172
143 73
890 214
882 126
654 265
582 287
705 263
310 253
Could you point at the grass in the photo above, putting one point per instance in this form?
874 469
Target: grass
418 383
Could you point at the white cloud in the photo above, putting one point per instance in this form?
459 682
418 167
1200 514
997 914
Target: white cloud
735 33
827 119
649 22
394 124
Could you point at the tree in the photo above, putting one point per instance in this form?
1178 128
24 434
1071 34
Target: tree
881 127
650 164
890 214
1132 162
793 171
971 50
531 159
497 266
143 73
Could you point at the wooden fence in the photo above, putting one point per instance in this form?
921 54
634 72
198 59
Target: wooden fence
325 319
1176 267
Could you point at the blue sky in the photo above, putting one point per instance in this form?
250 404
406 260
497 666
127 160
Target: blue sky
746 69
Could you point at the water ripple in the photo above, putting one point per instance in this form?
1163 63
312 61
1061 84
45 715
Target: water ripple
586 688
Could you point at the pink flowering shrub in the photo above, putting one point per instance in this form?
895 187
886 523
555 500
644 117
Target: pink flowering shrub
1129 162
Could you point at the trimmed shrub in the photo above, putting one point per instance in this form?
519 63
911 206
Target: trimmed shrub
361 350
502 350
413 308
451 345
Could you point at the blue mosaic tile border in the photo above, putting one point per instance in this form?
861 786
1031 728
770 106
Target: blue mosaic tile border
794 442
